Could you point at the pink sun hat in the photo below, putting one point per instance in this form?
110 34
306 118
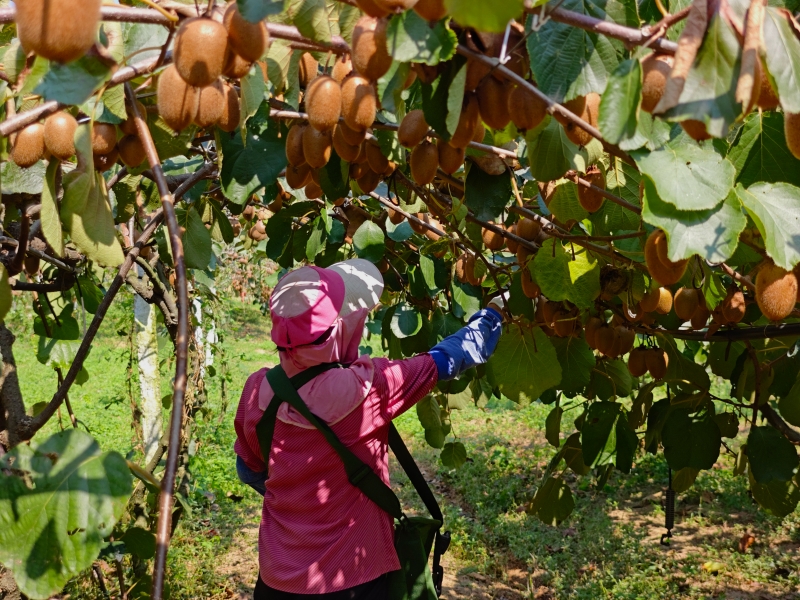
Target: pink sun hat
307 301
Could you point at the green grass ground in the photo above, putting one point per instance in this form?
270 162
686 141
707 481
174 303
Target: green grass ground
608 548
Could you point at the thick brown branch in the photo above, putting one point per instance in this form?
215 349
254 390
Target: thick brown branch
12 407
778 423
60 284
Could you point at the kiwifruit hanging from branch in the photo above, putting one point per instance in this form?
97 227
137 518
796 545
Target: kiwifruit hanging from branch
530 288
525 108
313 190
528 229
686 303
372 8
249 212
637 362
248 40
59 135
236 67
649 301
592 200
31 265
493 102
431 10
277 204
700 317
626 337
605 338
590 331
665 273
791 129
294 144
424 161
28 146
59 30
491 239
308 69
767 98
655 72
369 181
358 169
370 56
375 158
734 306
696 129
346 152
342 68
103 162
590 114
511 244
258 232
395 217
575 106
323 102
177 100
467 122
395 6
776 292
450 159
200 51
131 151
359 104
664 301
413 128
231 112
104 138
657 362
317 147
297 177
210 104
564 323
128 126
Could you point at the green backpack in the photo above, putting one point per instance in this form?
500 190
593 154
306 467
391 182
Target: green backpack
414 537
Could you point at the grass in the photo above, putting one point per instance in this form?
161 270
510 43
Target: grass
608 548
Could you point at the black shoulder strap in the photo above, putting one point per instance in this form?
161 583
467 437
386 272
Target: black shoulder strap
412 471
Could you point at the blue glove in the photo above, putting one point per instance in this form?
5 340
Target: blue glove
250 477
471 345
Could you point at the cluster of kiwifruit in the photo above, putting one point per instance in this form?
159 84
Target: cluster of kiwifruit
560 319
58 30
430 10
612 339
653 360
258 216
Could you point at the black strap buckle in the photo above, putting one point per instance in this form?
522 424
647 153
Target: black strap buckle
440 545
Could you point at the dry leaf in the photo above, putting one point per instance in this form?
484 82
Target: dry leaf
746 87
745 542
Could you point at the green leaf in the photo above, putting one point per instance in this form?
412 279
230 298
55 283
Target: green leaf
598 437
789 405
577 359
553 501
684 478
66 328
316 241
406 321
442 100
369 242
54 529
564 202
525 364
760 154
311 18
518 303
627 443
331 179
50 220
252 93
562 278
429 413
620 102
89 293
138 36
486 195
771 456
783 57
466 299
775 209
690 440
484 16
75 82
454 454
573 454
687 175
713 234
550 153
778 497
728 424
256 10
5 293
622 180
410 38
681 368
611 378
552 426
16 180
140 542
196 239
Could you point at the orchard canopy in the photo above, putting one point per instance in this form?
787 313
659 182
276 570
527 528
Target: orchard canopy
630 171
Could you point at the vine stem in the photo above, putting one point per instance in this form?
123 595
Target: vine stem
165 502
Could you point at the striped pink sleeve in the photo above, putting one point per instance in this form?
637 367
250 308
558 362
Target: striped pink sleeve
404 383
247 417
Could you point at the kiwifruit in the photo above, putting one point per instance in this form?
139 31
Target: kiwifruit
262 214
210 105
104 138
317 147
131 151
309 67
491 239
369 181
258 232
529 287
657 362
323 102
410 79
103 162
528 229
177 101
575 106
315 175
655 72
480 132
249 212
633 313
591 200
342 68
666 273
31 265
590 114
375 158
664 301
467 122
59 30
493 102
605 338
395 6
511 244
370 56
346 152
358 169
476 72
431 10
461 266
236 67
128 126
564 323
767 98
372 8
450 158
424 161
313 190
734 306
776 292
637 362
59 135
297 177
525 108
248 40
627 337
359 103
294 144
281 197
200 51
686 303
395 217
649 301
413 128
29 146
695 129
231 112
351 136
590 331
791 129
426 73
523 254
391 167
416 226
472 276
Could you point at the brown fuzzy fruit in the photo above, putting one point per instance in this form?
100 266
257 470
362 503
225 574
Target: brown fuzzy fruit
590 114
342 68
493 102
200 51
776 292
231 112
468 121
664 301
258 232
657 362
370 56
395 217
313 190
491 239
591 200
529 287
235 66
576 106
734 306
59 135
59 30
323 102
29 146
666 273
564 323
649 301
605 338
431 10
590 331
450 158
294 144
369 181
317 147
686 303
103 162
375 158
297 177
210 105
461 264
626 337
525 108
695 129
395 6
528 229
346 152
511 244
637 362
424 162
128 126
249 212
248 40
31 265
351 136
655 72
767 98
791 129
359 104
309 67
177 101
372 8
131 151
413 128
700 317
104 138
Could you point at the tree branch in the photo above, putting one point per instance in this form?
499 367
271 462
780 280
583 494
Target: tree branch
778 423
12 406
61 283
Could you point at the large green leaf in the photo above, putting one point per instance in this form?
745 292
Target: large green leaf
74 82
775 209
484 16
411 39
454 455
622 179
486 195
713 234
311 18
5 293
565 204
598 434
690 440
789 405
681 368
553 501
611 378
144 39
16 180
783 57
771 456
577 359
760 154
196 239
525 364
562 278
50 220
466 299
687 175
620 103
256 10
778 497
52 525
406 321
369 242
550 153
442 100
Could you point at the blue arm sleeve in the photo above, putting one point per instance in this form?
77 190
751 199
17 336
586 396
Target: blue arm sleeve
250 477
471 345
